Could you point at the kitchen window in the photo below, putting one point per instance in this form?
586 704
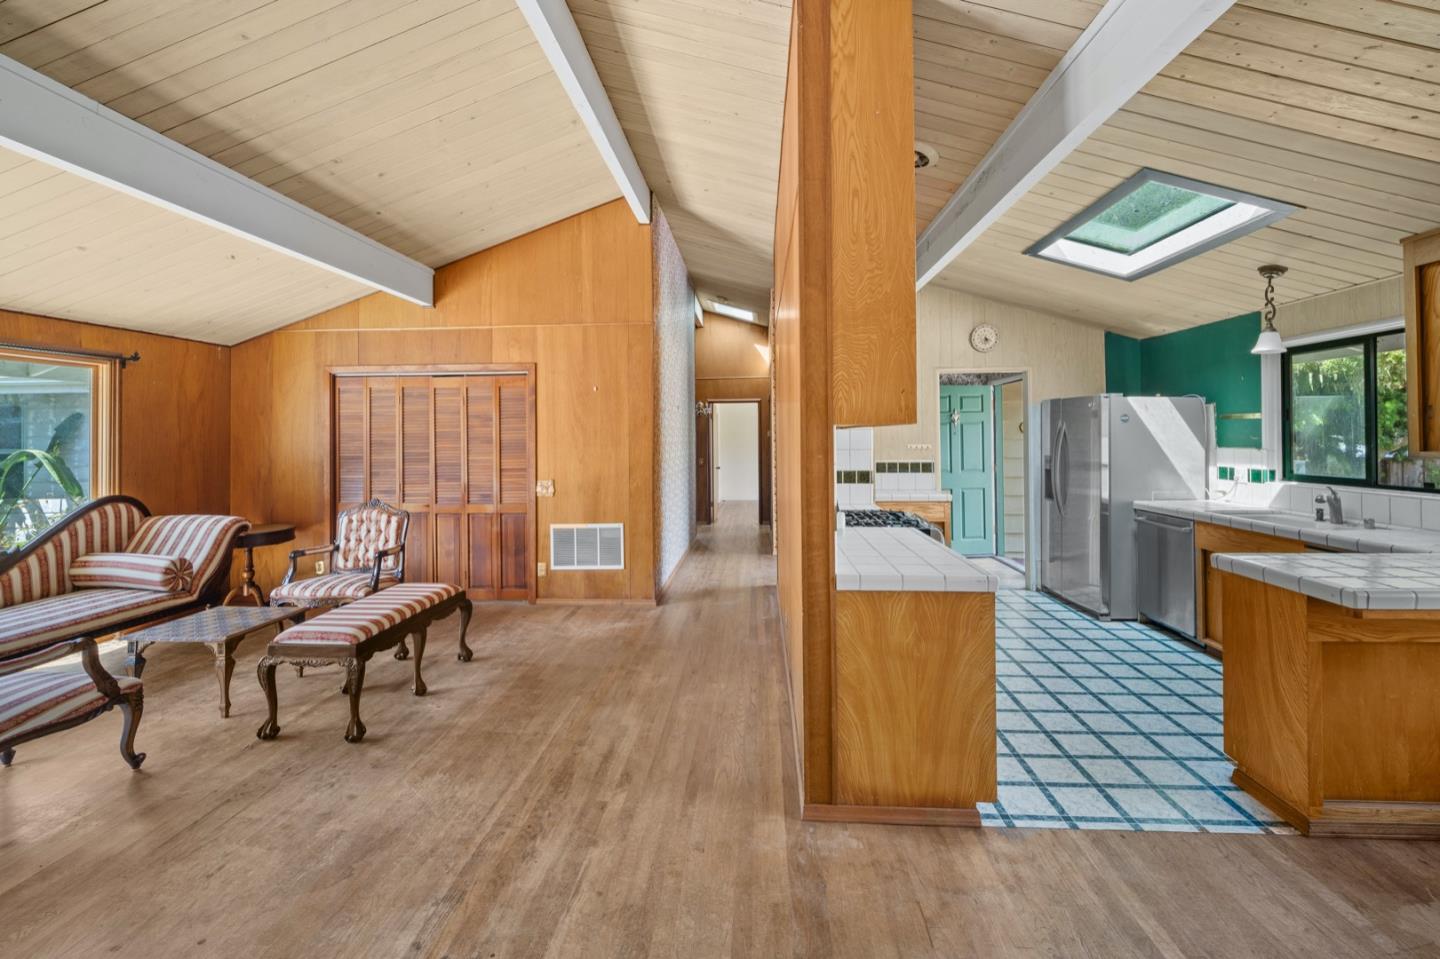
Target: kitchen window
56 448
1345 415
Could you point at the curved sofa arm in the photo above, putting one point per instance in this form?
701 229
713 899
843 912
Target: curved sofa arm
89 661
295 555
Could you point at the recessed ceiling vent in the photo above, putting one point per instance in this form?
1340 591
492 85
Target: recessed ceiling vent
587 546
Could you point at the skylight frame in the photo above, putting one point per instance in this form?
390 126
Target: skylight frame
1192 241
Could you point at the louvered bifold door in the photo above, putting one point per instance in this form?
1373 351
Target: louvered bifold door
517 486
456 453
416 475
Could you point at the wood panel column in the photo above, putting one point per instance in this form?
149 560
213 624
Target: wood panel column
843 310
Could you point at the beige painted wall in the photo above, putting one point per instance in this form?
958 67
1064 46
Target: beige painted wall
1058 356
1013 429
1381 300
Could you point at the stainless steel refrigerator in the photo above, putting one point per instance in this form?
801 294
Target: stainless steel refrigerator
1101 454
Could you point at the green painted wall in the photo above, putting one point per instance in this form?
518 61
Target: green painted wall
1122 364
1213 361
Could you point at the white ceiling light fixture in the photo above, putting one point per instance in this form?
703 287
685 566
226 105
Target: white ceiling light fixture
1154 220
1269 341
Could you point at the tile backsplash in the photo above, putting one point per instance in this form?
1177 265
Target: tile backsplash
900 476
1385 507
855 468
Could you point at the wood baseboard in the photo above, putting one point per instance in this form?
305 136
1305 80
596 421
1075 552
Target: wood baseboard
664 589
1355 819
892 815
561 601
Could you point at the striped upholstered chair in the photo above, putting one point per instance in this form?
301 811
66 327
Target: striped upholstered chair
107 567
368 555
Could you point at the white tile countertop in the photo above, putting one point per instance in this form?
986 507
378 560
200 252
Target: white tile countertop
1354 580
901 559
1350 538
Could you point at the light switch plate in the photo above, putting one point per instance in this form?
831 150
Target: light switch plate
320 568
539 569
545 488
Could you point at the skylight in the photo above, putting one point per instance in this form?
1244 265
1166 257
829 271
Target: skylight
1154 220
734 312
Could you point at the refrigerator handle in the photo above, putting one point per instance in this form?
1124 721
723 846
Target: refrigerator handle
1060 468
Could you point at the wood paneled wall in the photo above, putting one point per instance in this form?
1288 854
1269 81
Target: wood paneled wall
574 298
843 311
732 362
174 410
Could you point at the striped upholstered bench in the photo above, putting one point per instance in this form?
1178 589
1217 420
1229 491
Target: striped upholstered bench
349 635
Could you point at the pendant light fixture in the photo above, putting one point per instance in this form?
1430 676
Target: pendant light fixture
1269 341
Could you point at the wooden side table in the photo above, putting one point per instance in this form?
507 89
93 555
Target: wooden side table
266 534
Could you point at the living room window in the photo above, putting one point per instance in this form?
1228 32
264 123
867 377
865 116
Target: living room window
1345 415
56 444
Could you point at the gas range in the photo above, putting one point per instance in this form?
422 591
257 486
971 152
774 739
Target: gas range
872 518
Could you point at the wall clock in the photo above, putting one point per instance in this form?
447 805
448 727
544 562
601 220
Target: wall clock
983 338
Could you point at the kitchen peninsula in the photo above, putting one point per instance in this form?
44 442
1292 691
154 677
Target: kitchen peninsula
1331 666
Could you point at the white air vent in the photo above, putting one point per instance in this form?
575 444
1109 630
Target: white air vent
589 546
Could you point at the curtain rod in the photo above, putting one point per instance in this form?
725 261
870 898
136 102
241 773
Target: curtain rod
121 358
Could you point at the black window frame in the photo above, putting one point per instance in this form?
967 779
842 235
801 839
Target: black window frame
1370 342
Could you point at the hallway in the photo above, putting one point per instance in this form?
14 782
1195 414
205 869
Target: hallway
606 781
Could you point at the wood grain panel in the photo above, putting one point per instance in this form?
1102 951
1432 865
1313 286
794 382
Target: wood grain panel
1381 731
871 152
350 432
1421 290
418 439
1267 687
448 553
420 548
1209 540
483 561
382 433
448 436
588 340
174 416
480 443
915 699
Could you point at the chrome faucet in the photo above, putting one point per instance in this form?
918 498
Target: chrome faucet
1335 510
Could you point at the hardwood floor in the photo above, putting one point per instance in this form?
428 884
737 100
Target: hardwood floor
605 781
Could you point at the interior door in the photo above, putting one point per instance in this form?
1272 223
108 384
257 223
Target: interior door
967 466
703 501
457 453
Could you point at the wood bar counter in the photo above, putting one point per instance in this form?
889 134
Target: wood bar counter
1332 689
914 735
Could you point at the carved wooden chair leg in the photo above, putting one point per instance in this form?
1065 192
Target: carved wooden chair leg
466 608
266 673
419 688
131 707
356 670
7 756
134 662
402 652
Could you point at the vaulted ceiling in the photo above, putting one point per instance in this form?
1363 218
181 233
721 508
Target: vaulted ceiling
437 128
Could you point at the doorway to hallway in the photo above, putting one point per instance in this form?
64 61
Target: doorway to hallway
983 463
735 439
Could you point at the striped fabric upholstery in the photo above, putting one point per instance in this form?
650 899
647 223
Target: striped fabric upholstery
165 574
85 612
37 698
357 622
205 541
363 531
337 587
45 572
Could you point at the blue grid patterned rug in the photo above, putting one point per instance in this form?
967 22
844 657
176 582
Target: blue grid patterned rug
1109 726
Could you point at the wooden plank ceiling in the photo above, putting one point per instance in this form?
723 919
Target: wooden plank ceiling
1333 105
433 126
699 87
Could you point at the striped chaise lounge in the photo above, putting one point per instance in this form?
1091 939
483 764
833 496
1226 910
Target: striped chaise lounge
107 567
349 635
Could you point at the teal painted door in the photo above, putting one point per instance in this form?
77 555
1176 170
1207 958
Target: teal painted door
967 466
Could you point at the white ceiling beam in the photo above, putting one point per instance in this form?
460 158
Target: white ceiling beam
554 26
1126 45
49 122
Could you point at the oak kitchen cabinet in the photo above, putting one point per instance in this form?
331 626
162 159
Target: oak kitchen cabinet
1211 538
1422 338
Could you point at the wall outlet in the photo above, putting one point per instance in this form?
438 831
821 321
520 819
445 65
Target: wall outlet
545 488
320 567
539 569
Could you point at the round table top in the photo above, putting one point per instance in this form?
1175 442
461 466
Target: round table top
265 534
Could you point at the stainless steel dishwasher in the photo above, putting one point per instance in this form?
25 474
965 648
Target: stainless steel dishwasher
1165 548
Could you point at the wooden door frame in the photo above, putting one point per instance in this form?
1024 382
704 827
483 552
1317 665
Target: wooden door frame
528 370
762 460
